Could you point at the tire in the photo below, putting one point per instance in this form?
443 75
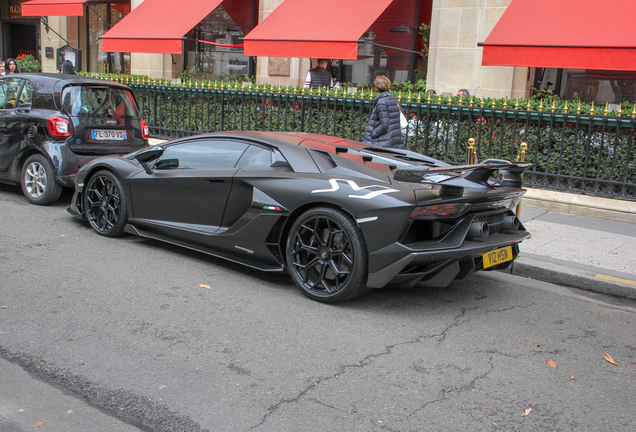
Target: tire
38 181
105 204
327 256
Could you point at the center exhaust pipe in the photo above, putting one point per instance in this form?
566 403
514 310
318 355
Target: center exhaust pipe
510 222
478 229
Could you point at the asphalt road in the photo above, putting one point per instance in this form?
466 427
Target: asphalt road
126 325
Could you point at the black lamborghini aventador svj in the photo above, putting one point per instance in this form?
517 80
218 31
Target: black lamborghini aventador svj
340 216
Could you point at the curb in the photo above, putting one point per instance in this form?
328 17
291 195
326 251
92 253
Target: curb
567 275
583 205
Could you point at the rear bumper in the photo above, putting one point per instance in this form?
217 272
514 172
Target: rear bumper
415 266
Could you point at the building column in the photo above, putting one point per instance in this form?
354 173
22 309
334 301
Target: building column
284 71
455 58
152 65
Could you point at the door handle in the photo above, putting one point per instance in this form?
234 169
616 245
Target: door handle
216 181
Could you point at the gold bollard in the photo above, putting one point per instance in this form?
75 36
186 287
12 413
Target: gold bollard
521 157
472 152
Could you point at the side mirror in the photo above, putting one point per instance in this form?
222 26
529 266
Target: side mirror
148 156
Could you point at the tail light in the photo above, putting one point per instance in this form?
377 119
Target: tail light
439 211
59 127
145 130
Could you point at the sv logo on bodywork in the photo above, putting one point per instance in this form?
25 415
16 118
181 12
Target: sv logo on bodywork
378 190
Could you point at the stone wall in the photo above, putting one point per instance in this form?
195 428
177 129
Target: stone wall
454 57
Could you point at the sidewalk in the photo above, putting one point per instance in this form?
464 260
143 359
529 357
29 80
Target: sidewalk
579 241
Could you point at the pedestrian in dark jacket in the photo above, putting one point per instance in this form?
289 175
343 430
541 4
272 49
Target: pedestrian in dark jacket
384 125
68 68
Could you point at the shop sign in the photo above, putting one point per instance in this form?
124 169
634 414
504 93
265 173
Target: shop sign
278 66
15 9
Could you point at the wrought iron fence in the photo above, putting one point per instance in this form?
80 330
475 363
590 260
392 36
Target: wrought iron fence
569 152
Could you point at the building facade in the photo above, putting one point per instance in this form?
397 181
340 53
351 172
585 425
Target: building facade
391 45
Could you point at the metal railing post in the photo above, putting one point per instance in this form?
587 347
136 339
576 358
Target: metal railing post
472 152
521 157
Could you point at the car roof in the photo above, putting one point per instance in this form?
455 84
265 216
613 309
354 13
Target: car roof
53 78
326 143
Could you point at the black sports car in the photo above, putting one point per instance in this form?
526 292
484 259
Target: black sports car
52 124
340 216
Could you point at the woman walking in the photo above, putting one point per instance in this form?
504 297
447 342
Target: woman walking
384 125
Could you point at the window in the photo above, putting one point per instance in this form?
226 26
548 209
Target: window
26 95
203 155
9 88
98 101
256 157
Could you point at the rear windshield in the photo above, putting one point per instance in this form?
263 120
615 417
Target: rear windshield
99 101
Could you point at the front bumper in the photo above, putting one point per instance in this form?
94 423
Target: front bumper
75 208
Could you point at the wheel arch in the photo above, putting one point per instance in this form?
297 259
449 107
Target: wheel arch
298 212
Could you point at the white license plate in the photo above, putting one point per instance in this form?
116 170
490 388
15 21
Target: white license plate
114 135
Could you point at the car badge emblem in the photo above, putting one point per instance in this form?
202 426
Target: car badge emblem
111 121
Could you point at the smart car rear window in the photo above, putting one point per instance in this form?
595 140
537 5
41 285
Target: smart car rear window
99 101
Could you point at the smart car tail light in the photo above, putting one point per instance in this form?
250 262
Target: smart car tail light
439 211
145 130
59 127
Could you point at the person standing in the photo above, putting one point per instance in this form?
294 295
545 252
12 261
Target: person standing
384 124
319 76
68 68
10 67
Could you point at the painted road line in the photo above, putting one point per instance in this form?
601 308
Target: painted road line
615 279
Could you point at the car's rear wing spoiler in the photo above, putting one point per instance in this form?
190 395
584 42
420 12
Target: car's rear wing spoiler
480 173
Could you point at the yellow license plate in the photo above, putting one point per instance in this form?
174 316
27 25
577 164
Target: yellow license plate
497 256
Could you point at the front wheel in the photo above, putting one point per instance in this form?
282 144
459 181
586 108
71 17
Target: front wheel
105 205
327 256
38 181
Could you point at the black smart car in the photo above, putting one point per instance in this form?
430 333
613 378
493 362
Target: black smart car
51 125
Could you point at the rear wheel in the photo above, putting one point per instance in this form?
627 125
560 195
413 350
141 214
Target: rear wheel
38 181
327 256
105 205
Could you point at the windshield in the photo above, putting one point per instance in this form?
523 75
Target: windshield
102 101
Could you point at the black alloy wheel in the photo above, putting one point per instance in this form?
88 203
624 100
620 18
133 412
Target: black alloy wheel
105 205
38 181
327 256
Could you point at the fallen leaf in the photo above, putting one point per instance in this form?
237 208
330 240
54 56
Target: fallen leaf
572 378
205 286
551 363
269 393
78 290
528 411
489 414
38 425
538 345
38 244
5 307
608 358
496 424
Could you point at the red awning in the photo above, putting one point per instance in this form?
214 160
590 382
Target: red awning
156 26
578 34
307 28
53 8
